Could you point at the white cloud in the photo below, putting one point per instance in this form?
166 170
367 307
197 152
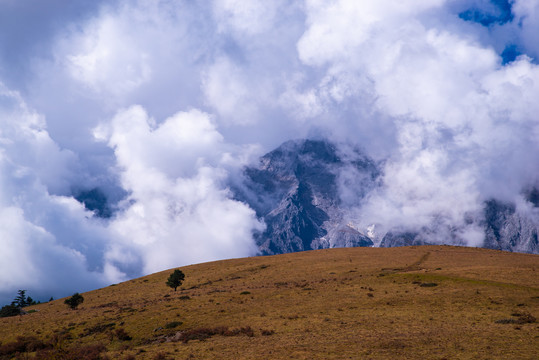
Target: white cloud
527 14
105 62
25 142
458 114
178 210
248 17
30 259
39 230
227 90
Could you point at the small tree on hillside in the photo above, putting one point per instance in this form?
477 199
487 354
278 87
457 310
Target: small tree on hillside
74 301
30 301
20 300
15 308
175 279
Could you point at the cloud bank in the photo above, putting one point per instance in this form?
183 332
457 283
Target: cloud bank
159 103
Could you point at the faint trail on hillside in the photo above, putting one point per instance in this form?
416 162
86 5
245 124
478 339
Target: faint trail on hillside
421 260
413 267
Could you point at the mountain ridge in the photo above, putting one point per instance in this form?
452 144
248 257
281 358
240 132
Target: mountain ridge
296 191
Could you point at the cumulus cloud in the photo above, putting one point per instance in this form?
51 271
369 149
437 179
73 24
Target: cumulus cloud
179 209
158 104
246 18
228 93
462 135
41 226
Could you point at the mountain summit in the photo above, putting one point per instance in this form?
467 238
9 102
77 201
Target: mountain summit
296 190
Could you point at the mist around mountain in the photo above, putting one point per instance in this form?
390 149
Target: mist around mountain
309 194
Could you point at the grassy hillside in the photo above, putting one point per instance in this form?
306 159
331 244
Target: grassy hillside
431 302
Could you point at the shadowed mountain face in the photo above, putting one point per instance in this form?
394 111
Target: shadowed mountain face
507 229
297 190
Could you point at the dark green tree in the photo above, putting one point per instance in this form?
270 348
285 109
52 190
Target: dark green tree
21 300
74 301
15 308
30 301
9 310
175 279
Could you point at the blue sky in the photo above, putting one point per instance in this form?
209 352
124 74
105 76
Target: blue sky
159 103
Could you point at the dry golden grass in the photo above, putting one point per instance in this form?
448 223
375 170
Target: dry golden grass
357 303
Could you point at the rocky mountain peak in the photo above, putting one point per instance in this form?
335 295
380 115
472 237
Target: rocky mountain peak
297 190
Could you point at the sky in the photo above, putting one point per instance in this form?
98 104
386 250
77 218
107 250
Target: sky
159 103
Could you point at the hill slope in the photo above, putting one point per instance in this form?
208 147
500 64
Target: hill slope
411 302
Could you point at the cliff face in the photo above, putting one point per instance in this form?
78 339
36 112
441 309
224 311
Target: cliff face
510 230
298 191
295 190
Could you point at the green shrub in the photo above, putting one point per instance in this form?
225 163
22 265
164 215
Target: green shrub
526 318
173 324
9 310
122 335
74 300
21 345
428 285
86 352
205 333
99 328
